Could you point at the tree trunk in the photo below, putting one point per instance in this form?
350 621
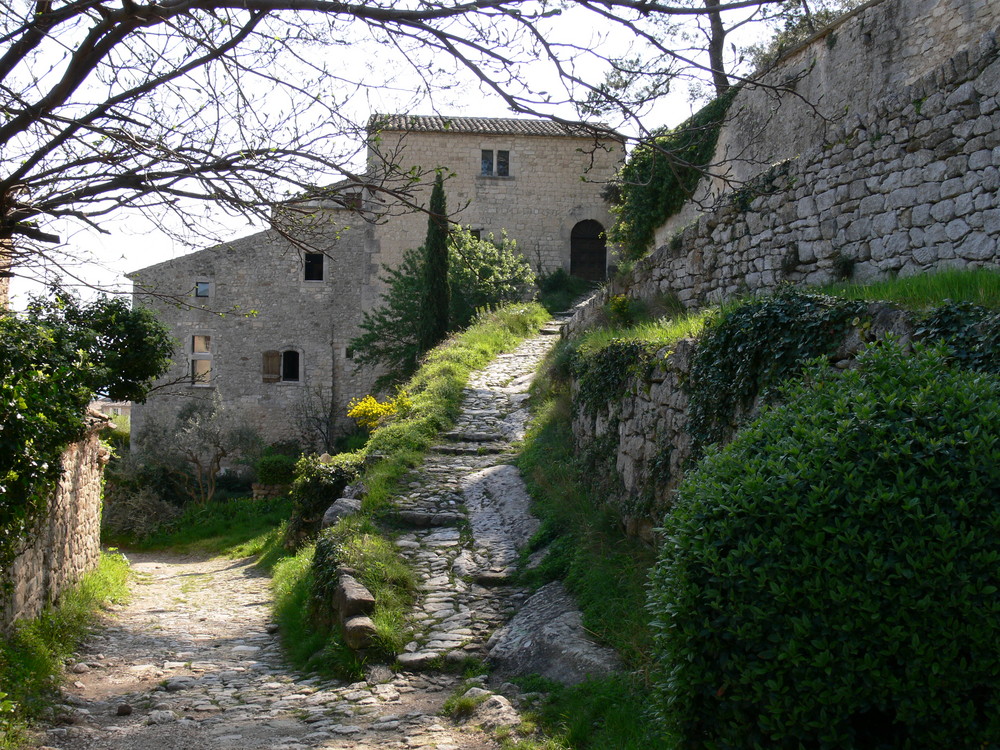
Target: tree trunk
716 47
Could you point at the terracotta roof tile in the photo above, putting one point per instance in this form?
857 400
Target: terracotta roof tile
481 125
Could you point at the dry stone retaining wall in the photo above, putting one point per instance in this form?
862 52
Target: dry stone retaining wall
912 187
66 543
647 429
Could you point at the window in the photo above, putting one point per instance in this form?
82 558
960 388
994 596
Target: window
314 267
281 367
201 359
202 288
495 163
290 366
352 201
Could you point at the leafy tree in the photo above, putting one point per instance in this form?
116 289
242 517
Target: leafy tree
53 359
436 296
482 273
194 446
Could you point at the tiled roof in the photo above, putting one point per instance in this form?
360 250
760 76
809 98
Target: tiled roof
480 125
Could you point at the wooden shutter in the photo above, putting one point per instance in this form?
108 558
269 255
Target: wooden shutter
271 367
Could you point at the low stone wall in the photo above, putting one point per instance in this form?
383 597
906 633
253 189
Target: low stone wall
66 544
910 187
647 429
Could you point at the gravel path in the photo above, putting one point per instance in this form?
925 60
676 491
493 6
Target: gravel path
193 660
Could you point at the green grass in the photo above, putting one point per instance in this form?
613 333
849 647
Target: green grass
237 527
980 286
33 653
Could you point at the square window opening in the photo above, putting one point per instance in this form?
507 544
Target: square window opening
202 288
314 266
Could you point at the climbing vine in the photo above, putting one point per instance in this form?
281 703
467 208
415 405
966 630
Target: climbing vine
971 332
755 345
603 376
661 176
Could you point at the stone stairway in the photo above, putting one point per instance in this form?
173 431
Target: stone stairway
468 510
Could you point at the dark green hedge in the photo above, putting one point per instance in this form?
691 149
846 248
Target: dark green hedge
830 579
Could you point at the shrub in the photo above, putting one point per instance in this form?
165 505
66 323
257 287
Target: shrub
316 485
276 469
829 579
369 413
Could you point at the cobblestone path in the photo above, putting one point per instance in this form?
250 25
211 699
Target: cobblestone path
192 661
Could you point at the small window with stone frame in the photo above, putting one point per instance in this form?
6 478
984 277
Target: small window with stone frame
201 359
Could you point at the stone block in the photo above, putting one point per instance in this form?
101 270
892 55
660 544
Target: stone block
978 246
359 632
352 598
341 508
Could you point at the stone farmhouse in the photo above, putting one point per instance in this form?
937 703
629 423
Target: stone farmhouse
280 354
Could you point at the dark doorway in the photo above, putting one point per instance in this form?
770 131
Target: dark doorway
588 251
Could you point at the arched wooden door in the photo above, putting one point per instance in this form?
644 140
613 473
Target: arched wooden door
588 251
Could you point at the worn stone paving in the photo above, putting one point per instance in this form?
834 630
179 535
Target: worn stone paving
193 660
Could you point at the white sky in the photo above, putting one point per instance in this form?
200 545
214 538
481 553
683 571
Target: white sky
134 241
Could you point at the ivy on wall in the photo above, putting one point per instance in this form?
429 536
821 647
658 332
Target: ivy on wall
755 345
660 176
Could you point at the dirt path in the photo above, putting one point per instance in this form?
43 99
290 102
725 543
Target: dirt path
193 660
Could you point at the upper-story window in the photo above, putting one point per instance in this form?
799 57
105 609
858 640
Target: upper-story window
202 288
201 359
313 267
495 163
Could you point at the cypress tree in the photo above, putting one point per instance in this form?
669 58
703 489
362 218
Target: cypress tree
436 293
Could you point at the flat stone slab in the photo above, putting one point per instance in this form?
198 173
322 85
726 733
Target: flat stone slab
547 637
424 519
499 513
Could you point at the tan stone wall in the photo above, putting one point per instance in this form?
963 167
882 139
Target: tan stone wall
259 301
66 544
554 183
840 78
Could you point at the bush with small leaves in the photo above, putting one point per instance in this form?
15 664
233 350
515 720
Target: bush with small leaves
318 483
830 578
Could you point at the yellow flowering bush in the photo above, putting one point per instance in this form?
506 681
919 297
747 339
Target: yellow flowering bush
369 413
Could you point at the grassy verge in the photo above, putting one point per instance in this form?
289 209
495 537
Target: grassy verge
33 653
301 582
237 527
980 287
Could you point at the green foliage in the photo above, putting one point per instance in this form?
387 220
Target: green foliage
317 484
604 376
33 652
829 579
754 345
558 291
606 572
485 273
979 286
971 332
276 468
53 359
236 527
189 451
661 176
435 300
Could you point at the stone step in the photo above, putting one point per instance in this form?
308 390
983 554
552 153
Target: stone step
425 519
469 450
472 436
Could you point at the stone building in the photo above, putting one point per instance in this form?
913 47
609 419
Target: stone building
263 323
